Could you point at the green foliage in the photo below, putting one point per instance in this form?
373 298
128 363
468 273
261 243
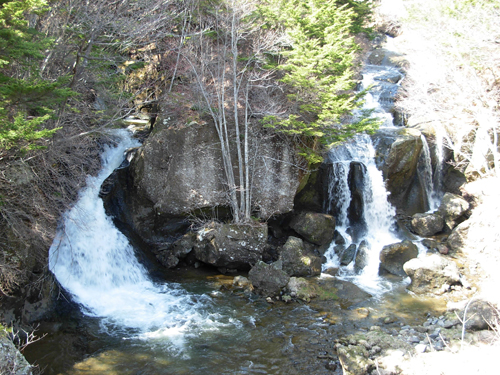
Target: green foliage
27 100
319 71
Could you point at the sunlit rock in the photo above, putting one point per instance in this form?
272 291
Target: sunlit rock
297 260
314 227
427 224
394 256
430 273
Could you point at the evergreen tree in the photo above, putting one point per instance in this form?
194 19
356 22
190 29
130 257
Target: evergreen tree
318 72
27 100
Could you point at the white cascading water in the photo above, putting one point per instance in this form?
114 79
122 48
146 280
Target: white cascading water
378 213
377 229
95 262
425 176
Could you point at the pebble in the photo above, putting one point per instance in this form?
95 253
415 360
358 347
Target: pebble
421 348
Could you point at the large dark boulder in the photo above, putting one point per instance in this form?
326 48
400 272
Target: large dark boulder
398 153
431 273
427 224
231 245
268 279
394 256
316 228
347 255
178 172
299 261
356 180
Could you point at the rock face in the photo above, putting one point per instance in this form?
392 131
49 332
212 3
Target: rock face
268 279
452 208
432 273
179 171
398 153
427 224
11 360
231 245
394 256
297 260
316 228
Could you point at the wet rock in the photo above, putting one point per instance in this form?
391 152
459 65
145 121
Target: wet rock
268 279
231 245
314 227
297 260
241 281
299 287
171 254
348 293
427 224
338 238
452 208
478 314
354 360
356 181
332 271
394 256
361 260
430 273
348 255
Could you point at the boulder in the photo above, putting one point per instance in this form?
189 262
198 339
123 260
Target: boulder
478 314
299 287
347 255
427 224
432 273
297 260
457 240
179 172
356 181
394 256
398 152
354 359
361 260
231 245
452 208
314 227
268 279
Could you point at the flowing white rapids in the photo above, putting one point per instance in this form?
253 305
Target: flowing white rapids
378 214
95 262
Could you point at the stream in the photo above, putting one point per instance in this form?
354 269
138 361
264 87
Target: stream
119 318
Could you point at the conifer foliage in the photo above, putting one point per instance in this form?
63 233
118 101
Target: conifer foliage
319 72
27 100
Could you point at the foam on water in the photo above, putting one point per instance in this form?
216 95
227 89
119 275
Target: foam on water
95 262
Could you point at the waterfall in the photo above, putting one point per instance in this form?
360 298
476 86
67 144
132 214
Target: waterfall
425 175
375 226
96 264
